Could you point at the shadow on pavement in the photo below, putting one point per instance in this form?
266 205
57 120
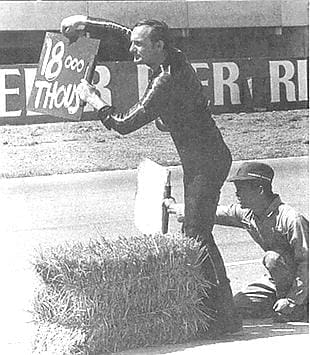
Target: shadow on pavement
252 330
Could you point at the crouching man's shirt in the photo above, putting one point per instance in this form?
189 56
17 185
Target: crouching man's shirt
281 229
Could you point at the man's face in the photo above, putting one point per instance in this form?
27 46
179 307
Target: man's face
143 49
248 194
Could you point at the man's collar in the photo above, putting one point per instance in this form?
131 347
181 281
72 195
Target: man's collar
171 55
274 205
165 63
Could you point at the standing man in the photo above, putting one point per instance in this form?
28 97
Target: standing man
175 95
283 233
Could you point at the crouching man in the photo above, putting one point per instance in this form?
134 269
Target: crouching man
283 233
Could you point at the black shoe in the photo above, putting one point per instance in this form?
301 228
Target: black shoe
224 326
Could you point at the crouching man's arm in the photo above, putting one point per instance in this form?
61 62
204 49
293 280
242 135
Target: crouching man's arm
298 237
225 215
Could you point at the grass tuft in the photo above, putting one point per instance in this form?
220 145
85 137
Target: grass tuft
112 295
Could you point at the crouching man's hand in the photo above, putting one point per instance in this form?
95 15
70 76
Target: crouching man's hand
174 208
284 306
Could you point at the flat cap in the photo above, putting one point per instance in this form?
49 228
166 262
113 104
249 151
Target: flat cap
253 171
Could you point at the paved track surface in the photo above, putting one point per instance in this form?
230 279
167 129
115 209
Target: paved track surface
44 211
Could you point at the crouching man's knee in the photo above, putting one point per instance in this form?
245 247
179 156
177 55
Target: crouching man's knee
253 304
281 269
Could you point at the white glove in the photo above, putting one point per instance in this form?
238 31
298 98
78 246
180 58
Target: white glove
88 93
73 26
284 306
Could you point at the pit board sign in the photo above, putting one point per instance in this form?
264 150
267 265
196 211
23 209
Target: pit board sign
151 187
62 65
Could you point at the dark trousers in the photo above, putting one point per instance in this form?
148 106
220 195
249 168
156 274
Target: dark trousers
201 200
201 196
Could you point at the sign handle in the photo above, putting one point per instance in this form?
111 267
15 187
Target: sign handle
165 214
89 73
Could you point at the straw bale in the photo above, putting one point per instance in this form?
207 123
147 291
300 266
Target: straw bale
52 339
124 293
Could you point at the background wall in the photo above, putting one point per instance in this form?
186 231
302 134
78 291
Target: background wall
214 28
265 41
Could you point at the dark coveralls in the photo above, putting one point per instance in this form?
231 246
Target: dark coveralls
174 94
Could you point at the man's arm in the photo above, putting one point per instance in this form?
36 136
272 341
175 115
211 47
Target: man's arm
299 240
78 25
231 215
146 110
225 215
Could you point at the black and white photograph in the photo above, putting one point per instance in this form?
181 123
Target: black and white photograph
154 177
